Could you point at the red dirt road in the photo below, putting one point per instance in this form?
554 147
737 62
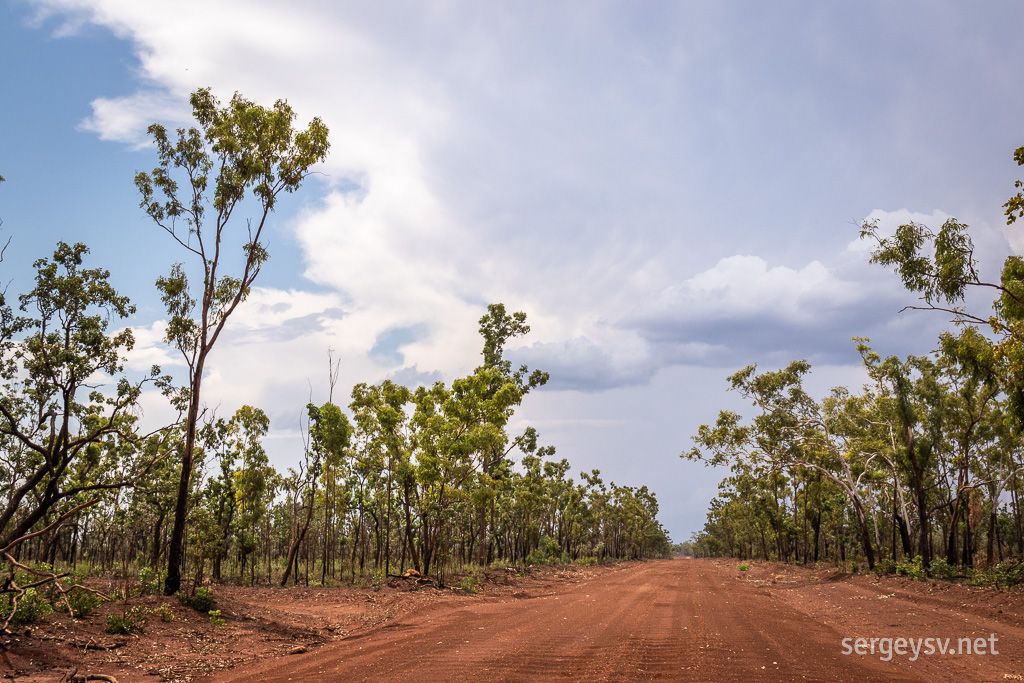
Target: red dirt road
675 620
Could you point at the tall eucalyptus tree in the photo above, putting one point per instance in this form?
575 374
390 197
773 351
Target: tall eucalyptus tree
240 150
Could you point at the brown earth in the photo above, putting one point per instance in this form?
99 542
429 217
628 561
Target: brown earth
668 619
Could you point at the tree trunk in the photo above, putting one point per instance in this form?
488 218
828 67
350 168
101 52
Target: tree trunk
293 550
176 550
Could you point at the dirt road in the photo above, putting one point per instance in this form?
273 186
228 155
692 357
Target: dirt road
678 620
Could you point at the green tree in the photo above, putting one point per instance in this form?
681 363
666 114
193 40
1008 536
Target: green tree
62 440
941 267
379 411
792 432
330 433
255 479
497 327
239 149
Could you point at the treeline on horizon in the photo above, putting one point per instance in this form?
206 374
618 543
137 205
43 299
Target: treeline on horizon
425 478
920 471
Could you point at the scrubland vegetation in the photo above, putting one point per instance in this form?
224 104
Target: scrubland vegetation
918 472
428 478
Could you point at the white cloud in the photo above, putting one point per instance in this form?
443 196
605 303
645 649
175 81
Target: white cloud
150 349
745 285
125 119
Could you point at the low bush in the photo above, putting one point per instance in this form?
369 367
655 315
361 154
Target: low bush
132 620
151 582
940 569
913 568
203 601
31 607
1006 574
82 601
886 566
470 583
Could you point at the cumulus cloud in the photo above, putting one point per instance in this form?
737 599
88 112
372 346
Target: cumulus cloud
125 119
743 309
150 350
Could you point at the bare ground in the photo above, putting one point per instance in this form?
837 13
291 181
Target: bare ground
670 619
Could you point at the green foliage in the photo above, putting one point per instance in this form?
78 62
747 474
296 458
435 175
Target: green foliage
743 566
63 438
547 552
215 618
31 607
940 569
886 566
1006 574
150 582
203 601
912 568
237 150
471 583
165 613
429 473
131 620
82 601
1015 205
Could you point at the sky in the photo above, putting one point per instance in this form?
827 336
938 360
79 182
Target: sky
670 190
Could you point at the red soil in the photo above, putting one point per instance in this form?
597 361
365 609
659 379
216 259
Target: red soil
669 619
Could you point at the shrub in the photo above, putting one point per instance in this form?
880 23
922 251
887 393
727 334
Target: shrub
743 566
547 552
470 583
940 569
1006 574
203 601
31 607
215 618
132 620
913 569
150 582
82 601
537 557
165 613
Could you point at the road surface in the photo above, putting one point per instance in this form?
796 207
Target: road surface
668 620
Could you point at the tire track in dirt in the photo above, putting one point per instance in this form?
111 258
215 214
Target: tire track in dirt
668 620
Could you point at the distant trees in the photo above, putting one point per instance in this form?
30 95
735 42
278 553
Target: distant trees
911 465
795 433
925 461
403 484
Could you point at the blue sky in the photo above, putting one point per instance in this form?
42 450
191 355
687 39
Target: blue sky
670 190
